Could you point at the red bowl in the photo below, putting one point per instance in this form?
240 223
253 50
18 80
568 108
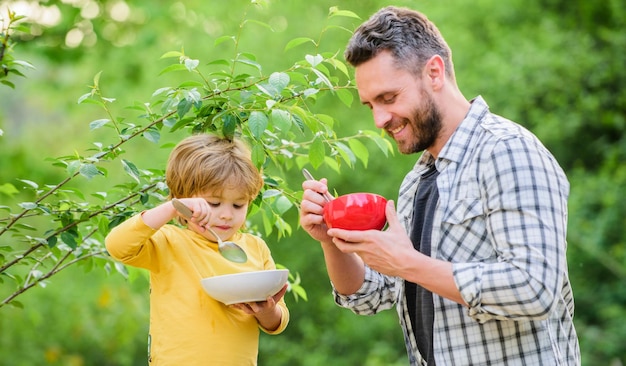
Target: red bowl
356 211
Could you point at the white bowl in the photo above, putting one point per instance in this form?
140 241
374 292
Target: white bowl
245 286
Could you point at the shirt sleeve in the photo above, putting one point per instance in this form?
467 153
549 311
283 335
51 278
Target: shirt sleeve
284 320
378 292
130 243
525 208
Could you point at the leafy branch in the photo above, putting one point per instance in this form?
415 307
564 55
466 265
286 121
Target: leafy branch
274 112
8 64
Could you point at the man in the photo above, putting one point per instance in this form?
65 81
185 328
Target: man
474 258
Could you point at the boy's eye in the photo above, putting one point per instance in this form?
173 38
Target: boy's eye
213 204
238 206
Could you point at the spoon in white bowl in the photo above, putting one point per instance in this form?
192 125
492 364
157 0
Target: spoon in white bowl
227 249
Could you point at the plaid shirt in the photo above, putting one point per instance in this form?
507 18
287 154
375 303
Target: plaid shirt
501 220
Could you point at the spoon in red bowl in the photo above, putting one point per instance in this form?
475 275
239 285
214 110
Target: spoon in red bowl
308 176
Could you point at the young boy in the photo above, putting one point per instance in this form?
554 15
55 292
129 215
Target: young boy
217 180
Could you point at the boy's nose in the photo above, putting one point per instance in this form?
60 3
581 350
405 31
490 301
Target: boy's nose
225 214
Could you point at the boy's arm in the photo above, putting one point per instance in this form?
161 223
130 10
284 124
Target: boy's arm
159 215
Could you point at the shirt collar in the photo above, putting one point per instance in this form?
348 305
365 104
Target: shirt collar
456 146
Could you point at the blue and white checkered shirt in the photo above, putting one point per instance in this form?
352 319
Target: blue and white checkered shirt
501 220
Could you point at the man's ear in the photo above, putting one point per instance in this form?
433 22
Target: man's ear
435 71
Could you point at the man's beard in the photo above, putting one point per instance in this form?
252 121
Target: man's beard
425 125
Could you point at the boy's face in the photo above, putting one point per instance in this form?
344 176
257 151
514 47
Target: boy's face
228 211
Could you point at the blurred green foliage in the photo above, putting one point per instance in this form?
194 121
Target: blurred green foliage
551 65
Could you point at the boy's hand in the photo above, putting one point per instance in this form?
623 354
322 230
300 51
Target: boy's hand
267 314
201 211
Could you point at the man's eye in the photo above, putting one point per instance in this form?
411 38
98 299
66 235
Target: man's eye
389 100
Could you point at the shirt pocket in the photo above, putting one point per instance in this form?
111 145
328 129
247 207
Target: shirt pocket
464 233
463 210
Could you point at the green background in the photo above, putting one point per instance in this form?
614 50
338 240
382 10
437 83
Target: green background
554 66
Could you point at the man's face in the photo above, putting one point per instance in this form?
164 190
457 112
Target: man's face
399 102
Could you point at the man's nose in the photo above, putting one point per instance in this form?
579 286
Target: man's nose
381 117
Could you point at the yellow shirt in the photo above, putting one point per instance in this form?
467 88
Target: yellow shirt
187 326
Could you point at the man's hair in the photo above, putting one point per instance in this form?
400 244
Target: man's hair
206 162
408 34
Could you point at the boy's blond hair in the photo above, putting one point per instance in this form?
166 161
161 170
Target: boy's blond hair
206 162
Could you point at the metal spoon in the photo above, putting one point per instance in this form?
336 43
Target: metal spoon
308 176
227 249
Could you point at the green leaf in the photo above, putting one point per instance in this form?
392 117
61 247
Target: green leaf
28 205
173 67
257 123
282 204
224 39
83 97
171 54
89 171
281 119
284 229
335 12
152 135
326 119
98 123
339 65
332 164
299 292
69 239
267 224
191 83
12 86
92 101
258 155
258 23
317 152
346 153
279 80
345 96
183 107
219 62
314 60
161 91
359 150
230 125
383 144
52 241
249 63
24 64
298 41
8 189
191 64
96 79
131 169
267 89
30 183
271 193
103 225
309 92
73 167
323 79
16 304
